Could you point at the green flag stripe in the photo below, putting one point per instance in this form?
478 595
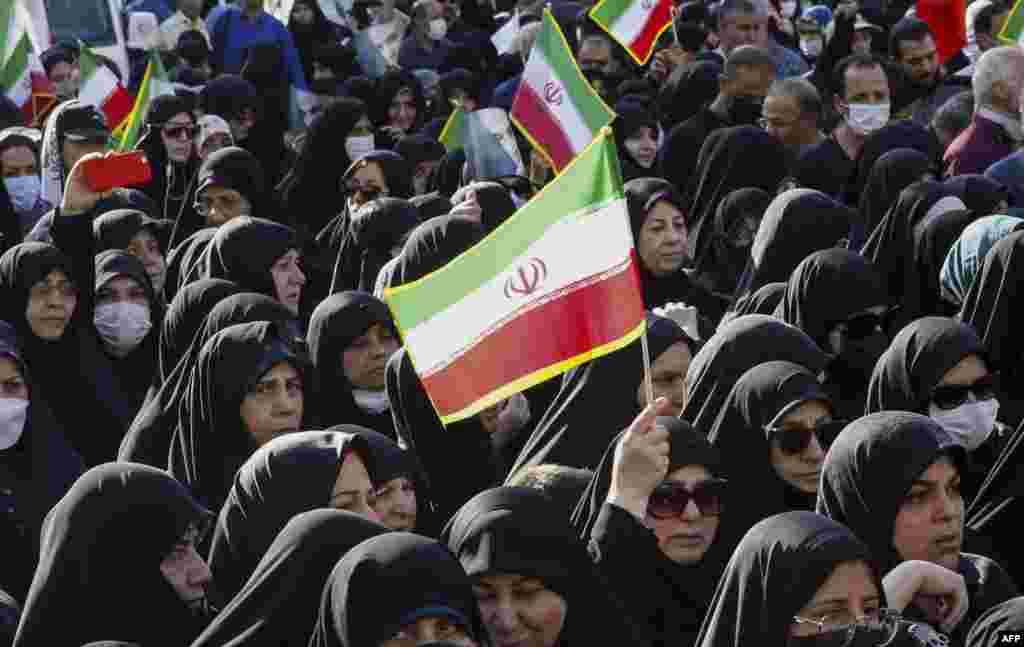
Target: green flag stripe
558 55
453 132
17 64
609 11
1014 24
590 181
6 20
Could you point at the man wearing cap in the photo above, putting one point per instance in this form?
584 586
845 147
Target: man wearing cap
230 185
19 167
186 18
61 65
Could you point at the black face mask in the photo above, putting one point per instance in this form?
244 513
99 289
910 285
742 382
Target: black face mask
745 111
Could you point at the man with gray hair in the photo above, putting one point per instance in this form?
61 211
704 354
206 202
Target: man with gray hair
995 132
791 114
746 22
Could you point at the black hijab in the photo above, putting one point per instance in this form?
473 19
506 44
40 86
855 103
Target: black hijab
233 167
731 158
991 308
494 198
277 605
894 135
597 401
184 261
688 89
721 262
118 518
149 438
797 223
243 251
390 462
742 344
776 570
210 442
173 184
932 239
115 229
760 399
416 574
447 177
375 230
893 172
184 318
1006 618
433 245
335 324
762 301
306 37
980 193
291 474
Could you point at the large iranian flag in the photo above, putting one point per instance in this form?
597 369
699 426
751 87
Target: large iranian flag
22 76
102 89
555 106
634 24
516 309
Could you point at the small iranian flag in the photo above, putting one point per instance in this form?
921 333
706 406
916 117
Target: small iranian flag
555 107
22 76
1013 28
487 139
634 24
102 90
154 83
516 310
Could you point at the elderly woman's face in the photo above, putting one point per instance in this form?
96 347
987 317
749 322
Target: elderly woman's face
662 240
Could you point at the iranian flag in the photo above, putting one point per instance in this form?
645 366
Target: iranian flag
634 24
22 76
1013 28
516 310
102 89
555 107
154 83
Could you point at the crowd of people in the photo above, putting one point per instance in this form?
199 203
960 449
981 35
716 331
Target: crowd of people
211 434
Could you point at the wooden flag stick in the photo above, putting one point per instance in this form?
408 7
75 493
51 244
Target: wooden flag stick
648 385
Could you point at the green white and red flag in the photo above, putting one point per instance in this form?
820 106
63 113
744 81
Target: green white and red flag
22 76
101 89
515 309
634 24
555 107
154 84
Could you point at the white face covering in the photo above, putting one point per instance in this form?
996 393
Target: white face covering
356 147
971 423
866 118
122 326
13 414
812 46
372 402
437 29
24 191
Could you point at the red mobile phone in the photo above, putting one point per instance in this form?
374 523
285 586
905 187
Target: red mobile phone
117 170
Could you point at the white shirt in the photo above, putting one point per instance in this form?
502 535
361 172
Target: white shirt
172 29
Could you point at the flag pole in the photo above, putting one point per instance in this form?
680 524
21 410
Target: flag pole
648 385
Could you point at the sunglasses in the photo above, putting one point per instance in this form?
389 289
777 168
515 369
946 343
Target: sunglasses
794 440
951 396
181 132
670 499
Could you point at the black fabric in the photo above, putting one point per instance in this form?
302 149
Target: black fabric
642 196
776 570
932 239
687 90
719 264
277 605
243 251
291 474
34 474
173 185
762 301
433 245
184 260
740 345
238 169
149 438
415 573
677 157
919 356
667 600
730 159
495 200
994 511
825 167
115 229
993 310
375 230
185 316
211 442
1007 618
420 430
980 193
893 172
894 135
390 462
597 401
266 68
335 324
740 435
447 177
520 531
796 224
632 115
118 518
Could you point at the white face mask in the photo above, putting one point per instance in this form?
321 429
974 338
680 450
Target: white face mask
122 326
788 9
13 414
970 424
812 46
437 29
866 118
24 191
356 147
372 402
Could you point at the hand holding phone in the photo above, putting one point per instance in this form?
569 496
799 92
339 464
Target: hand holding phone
117 170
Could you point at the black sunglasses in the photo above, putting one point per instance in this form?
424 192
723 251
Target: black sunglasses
951 396
794 440
175 132
669 499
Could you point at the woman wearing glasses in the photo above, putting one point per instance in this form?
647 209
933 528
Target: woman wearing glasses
893 478
838 299
650 514
168 143
772 433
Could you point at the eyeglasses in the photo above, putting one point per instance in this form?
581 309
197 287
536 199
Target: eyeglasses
775 123
42 290
669 499
951 396
794 440
180 132
223 203
877 628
